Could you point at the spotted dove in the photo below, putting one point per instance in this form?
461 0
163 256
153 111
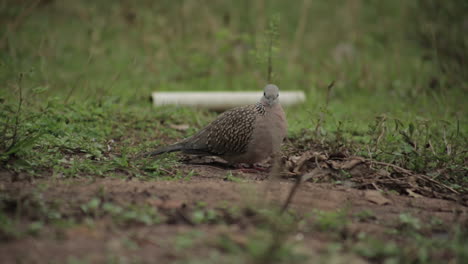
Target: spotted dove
247 134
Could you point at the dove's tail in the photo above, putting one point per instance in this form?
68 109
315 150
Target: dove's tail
166 149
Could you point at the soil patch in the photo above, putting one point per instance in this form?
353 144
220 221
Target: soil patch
179 201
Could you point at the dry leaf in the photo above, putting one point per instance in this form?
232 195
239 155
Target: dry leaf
310 175
300 163
349 164
413 194
317 173
289 165
412 181
308 156
383 173
344 165
294 159
376 197
334 164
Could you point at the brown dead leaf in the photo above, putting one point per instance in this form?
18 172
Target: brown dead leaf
344 165
294 159
310 175
349 164
413 194
412 180
317 173
334 164
181 127
383 173
302 160
289 165
308 156
376 197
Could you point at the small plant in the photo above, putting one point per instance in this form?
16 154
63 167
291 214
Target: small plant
261 246
409 222
202 215
378 251
14 136
8 229
330 221
35 227
365 215
143 214
92 207
232 178
122 215
187 239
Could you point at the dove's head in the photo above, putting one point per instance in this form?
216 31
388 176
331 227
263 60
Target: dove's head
270 95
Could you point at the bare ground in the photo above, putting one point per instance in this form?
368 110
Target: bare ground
104 241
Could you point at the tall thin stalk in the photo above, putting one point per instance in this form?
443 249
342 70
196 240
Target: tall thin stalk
272 35
14 138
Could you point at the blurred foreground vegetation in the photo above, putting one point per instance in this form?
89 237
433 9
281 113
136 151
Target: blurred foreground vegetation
76 75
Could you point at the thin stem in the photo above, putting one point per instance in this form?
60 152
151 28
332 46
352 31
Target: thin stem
270 64
18 114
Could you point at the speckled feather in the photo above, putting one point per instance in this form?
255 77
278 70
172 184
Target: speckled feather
229 134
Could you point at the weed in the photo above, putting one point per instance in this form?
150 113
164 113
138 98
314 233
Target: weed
203 215
365 215
35 227
188 239
409 222
258 249
14 137
330 221
377 250
232 178
92 207
8 229
130 214
414 248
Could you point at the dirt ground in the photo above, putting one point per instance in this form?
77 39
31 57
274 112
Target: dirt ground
177 200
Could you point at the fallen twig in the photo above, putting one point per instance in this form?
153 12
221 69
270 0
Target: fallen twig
291 194
439 183
398 168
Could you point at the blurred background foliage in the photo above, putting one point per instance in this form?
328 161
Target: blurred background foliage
404 59
83 49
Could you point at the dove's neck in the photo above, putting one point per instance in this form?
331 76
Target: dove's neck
266 102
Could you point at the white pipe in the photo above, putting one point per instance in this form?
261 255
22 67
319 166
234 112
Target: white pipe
221 100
